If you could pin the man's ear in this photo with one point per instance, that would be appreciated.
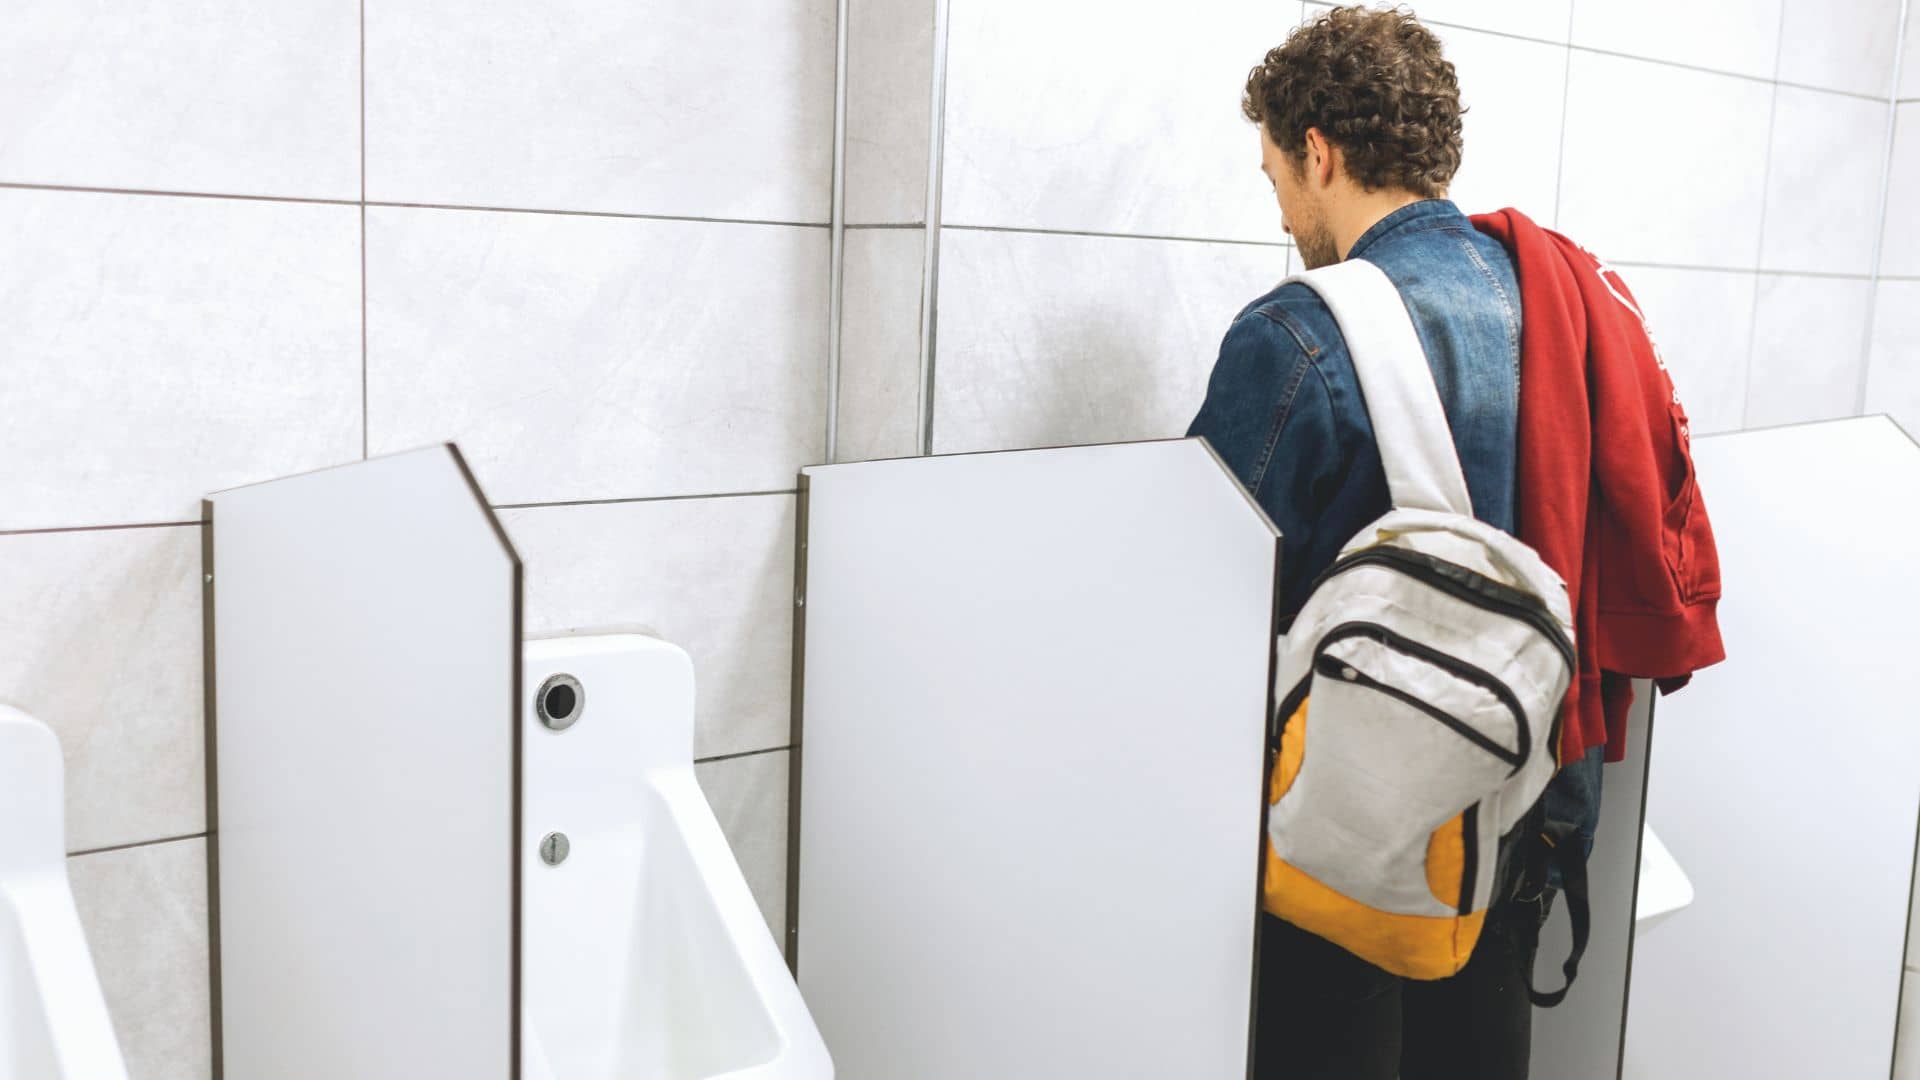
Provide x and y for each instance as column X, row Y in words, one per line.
column 1321, row 164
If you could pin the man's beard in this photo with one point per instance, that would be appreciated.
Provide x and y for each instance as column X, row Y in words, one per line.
column 1316, row 245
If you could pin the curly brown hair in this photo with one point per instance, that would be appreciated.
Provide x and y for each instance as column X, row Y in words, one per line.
column 1376, row 85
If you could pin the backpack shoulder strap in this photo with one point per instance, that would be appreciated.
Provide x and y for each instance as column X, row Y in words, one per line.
column 1409, row 423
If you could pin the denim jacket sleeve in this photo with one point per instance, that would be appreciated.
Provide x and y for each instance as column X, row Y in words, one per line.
column 1270, row 417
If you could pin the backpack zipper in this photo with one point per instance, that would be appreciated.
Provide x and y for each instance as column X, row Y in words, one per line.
column 1469, row 856
column 1469, row 586
column 1335, row 668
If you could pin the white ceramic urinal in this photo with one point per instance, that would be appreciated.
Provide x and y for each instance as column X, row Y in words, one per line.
column 53, row 1019
column 644, row 956
column 1664, row 887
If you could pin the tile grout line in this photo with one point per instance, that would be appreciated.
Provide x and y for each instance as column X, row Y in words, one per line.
column 1655, row 264
column 1569, row 43
column 136, row 844
column 1036, row 231
column 1566, row 96
column 837, row 231
column 621, row 215
column 44, row 530
column 930, row 255
column 1760, row 236
column 366, row 436
column 1684, row 66
column 737, row 755
column 1886, row 199
column 642, row 499
column 88, row 189
column 614, row 501
column 298, row 200
column 1508, row 34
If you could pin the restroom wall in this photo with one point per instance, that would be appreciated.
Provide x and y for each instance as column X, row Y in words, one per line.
column 1751, row 168
column 1893, row 386
column 588, row 242
column 1101, row 218
column 1893, row 382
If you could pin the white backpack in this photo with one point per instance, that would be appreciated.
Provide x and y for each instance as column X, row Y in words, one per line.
column 1420, row 685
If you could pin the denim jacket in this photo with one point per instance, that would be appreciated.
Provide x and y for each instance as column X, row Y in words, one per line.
column 1284, row 408
column 1285, row 412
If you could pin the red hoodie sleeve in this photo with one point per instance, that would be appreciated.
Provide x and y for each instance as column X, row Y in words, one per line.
column 1659, row 572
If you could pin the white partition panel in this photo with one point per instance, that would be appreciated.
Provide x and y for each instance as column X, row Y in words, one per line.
column 1030, row 760
column 366, row 640
column 1787, row 781
column 1580, row 1038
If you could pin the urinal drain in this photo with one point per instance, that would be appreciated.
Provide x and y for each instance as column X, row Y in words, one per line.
column 554, row 848
column 560, row 702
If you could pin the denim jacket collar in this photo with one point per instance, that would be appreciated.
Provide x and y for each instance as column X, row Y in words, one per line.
column 1404, row 217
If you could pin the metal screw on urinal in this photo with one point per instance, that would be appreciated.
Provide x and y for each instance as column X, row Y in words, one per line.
column 554, row 848
column 560, row 702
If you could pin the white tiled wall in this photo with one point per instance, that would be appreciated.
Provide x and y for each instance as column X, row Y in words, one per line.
column 1070, row 116
column 169, row 347
column 594, row 251
column 1663, row 164
column 225, row 96
column 594, row 357
column 720, row 109
column 590, row 243
column 1727, row 156
column 880, row 344
column 1050, row 340
column 1512, row 129
column 1893, row 386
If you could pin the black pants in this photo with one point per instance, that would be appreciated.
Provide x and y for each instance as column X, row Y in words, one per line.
column 1325, row 1014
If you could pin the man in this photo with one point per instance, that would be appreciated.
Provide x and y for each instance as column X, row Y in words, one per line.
column 1359, row 125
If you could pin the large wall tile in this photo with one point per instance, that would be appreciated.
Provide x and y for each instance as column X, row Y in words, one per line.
column 1663, row 164
column 1512, row 91
column 145, row 914
column 1054, row 340
column 645, row 106
column 159, row 348
column 1546, row 19
column 581, row 357
column 1900, row 238
column 1893, row 368
column 713, row 576
column 1910, row 57
column 1840, row 44
column 880, row 344
column 223, row 96
column 1741, row 36
column 1702, row 322
column 1809, row 338
column 749, row 796
column 101, row 641
column 1073, row 114
column 889, row 109
column 1823, row 182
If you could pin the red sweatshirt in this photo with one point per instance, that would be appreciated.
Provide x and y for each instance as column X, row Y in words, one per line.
column 1605, row 489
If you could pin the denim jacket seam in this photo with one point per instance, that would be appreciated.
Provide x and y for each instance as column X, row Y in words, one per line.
column 1280, row 415
column 1510, row 322
column 1288, row 322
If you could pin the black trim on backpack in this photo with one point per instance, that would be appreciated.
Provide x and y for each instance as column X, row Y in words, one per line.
column 1463, row 584
column 1335, row 668
column 1469, row 856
